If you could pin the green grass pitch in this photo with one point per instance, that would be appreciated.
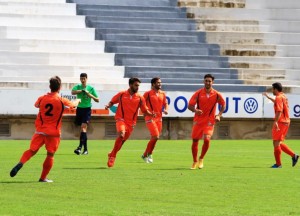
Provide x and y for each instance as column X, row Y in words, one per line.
column 236, row 180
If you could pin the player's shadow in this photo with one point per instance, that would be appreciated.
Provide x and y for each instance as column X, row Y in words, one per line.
column 248, row 167
column 84, row 168
column 17, row 182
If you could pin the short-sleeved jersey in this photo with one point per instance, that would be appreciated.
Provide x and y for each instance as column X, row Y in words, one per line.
column 129, row 106
column 85, row 100
column 281, row 105
column 155, row 102
column 207, row 103
column 51, row 107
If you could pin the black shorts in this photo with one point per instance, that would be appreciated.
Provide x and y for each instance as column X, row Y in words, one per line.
column 83, row 115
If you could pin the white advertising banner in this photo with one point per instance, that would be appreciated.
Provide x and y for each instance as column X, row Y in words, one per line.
column 239, row 105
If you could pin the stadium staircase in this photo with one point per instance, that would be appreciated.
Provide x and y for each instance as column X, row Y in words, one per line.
column 155, row 38
column 261, row 38
column 42, row 38
column 246, row 44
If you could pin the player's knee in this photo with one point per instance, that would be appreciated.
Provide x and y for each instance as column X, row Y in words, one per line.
column 154, row 137
column 50, row 154
column 122, row 135
column 83, row 126
column 207, row 139
column 33, row 152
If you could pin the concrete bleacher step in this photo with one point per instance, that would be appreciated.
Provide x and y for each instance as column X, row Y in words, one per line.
column 165, row 3
column 129, row 35
column 68, row 79
column 230, row 25
column 132, row 9
column 66, row 71
column 53, row 46
column 145, row 25
column 159, row 19
column 103, row 84
column 45, row 33
column 171, row 60
column 219, row 87
column 120, row 84
column 42, row 20
column 272, row 4
column 243, row 14
column 276, row 62
column 186, row 72
column 129, row 13
column 200, row 35
column 162, row 50
column 193, row 80
column 148, row 38
column 154, row 44
column 212, row 3
column 250, row 50
column 253, row 38
column 34, row 1
column 37, row 8
column 64, row 59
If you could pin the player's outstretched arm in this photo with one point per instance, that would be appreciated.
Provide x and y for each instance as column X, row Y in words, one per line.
column 267, row 96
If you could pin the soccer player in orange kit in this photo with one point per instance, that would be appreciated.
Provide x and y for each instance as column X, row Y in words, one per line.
column 281, row 125
column 203, row 103
column 48, row 128
column 130, row 101
column 157, row 103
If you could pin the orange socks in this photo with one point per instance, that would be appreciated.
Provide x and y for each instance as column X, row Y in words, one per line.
column 48, row 163
column 118, row 145
column 205, row 147
column 277, row 155
column 287, row 150
column 150, row 147
column 195, row 151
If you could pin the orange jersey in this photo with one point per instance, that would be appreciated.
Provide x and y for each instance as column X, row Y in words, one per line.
column 207, row 103
column 51, row 107
column 155, row 101
column 129, row 106
column 281, row 105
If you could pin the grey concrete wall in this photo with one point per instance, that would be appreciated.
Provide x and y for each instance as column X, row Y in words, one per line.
column 22, row 127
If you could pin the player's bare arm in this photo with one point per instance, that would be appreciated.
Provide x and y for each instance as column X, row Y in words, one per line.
column 267, row 96
column 92, row 96
column 219, row 115
column 195, row 110
column 108, row 105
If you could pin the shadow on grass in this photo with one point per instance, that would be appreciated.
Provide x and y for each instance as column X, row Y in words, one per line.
column 18, row 182
column 248, row 167
column 84, row 168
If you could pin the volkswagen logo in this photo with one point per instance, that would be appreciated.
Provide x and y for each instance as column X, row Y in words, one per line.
column 250, row 105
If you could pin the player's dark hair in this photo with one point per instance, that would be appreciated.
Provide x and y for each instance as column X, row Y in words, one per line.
column 83, row 75
column 55, row 83
column 154, row 80
column 133, row 80
column 209, row 76
column 277, row 86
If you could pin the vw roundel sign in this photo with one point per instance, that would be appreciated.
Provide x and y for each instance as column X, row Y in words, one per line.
column 250, row 105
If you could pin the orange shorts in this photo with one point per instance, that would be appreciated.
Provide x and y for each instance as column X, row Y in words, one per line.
column 280, row 134
column 199, row 130
column 122, row 126
column 154, row 127
column 38, row 140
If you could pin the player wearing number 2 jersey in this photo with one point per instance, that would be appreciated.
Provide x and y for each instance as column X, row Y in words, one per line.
column 48, row 127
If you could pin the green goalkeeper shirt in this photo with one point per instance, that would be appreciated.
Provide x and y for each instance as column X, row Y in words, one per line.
column 85, row 100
